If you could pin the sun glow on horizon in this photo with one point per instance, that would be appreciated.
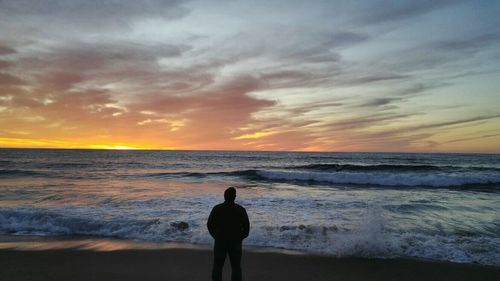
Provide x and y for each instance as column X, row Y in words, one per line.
column 114, row 147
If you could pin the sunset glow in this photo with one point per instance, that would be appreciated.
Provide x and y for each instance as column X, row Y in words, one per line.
column 251, row 75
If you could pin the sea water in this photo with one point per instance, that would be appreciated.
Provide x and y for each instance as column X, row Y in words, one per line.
column 443, row 207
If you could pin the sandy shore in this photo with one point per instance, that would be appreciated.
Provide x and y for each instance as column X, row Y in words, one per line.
column 192, row 265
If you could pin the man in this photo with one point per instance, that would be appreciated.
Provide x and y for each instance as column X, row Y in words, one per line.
column 228, row 224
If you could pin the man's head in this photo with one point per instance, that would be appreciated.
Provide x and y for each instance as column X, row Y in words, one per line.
column 230, row 194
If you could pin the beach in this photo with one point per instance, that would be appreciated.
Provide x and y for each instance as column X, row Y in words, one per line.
column 195, row 264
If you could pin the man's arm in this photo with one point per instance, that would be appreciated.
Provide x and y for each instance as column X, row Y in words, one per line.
column 246, row 224
column 211, row 223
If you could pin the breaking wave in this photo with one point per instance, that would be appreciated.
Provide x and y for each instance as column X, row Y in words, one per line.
column 368, row 177
column 368, row 239
column 21, row 173
column 382, row 178
column 376, row 175
column 392, row 168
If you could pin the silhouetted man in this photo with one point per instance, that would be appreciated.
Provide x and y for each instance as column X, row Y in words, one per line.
column 228, row 224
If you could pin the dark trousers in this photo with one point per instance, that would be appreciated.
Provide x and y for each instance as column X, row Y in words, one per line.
column 221, row 249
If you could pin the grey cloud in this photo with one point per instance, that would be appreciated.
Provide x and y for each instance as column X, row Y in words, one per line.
column 345, row 38
column 456, row 122
column 76, row 62
column 387, row 11
column 321, row 47
column 419, row 88
column 429, row 127
column 309, row 54
column 287, row 78
column 312, row 60
column 379, row 102
column 394, row 143
column 326, row 76
column 400, row 95
column 7, row 79
column 308, row 107
column 121, row 51
column 6, row 64
column 5, row 50
column 284, row 75
column 440, row 53
column 366, row 121
column 474, row 138
column 473, row 43
column 403, row 138
column 95, row 14
column 376, row 78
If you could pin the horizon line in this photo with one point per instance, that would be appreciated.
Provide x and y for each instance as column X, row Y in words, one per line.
column 228, row 150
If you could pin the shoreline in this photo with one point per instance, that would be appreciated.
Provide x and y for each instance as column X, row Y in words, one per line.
column 90, row 258
column 92, row 243
column 30, row 243
column 195, row 264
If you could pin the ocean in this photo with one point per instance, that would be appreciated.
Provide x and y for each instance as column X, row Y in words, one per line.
column 443, row 207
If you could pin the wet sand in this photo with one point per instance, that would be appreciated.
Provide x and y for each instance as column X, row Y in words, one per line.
column 192, row 265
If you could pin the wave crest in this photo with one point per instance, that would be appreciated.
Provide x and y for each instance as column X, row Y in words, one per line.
column 381, row 178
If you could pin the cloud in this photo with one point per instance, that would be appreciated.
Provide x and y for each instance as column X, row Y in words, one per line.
column 345, row 38
column 315, row 47
column 375, row 78
column 208, row 117
column 440, row 54
column 5, row 50
column 362, row 122
column 455, row 122
column 410, row 137
column 81, row 85
column 211, row 115
column 473, row 138
column 7, row 79
column 78, row 64
column 473, row 43
column 6, row 64
column 90, row 15
column 390, row 98
column 377, row 12
column 379, row 102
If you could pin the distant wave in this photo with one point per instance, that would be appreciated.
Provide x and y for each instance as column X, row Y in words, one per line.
column 367, row 177
column 376, row 175
column 382, row 178
column 389, row 168
column 252, row 174
column 66, row 165
column 21, row 173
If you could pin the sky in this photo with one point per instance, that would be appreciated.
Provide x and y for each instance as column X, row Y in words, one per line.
column 395, row 76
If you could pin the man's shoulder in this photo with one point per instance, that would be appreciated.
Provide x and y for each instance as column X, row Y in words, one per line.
column 225, row 205
column 238, row 206
column 218, row 206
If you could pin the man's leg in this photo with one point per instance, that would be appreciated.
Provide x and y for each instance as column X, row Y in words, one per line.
column 235, row 259
column 219, row 257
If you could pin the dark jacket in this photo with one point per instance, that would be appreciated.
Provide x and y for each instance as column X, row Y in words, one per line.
column 228, row 221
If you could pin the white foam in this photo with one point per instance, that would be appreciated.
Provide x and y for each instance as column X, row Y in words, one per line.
column 381, row 178
column 368, row 238
column 371, row 239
